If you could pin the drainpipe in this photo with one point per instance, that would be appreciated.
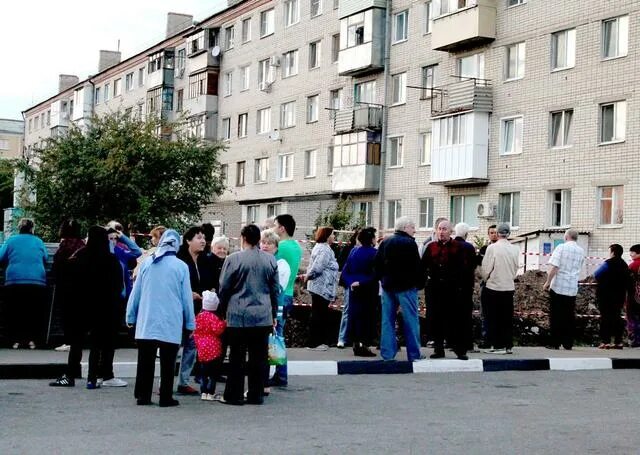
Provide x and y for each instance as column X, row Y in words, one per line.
column 385, row 115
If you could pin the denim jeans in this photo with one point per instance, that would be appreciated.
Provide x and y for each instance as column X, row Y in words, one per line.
column 343, row 335
column 408, row 303
column 281, row 374
column 188, row 359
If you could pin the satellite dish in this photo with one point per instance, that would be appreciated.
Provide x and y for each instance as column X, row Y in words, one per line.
column 216, row 51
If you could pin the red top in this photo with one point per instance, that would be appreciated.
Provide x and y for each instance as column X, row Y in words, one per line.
column 635, row 265
column 209, row 328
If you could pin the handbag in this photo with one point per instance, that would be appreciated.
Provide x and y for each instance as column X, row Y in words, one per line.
column 277, row 350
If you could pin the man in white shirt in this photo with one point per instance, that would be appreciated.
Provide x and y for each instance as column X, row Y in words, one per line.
column 499, row 269
column 562, row 282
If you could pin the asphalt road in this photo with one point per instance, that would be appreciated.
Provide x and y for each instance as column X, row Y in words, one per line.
column 450, row 413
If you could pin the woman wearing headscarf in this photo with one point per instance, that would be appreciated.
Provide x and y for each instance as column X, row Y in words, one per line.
column 161, row 308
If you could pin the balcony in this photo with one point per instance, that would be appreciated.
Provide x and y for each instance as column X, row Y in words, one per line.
column 358, row 178
column 462, row 96
column 460, row 149
column 200, row 104
column 362, row 117
column 361, row 60
column 202, row 60
column 361, row 40
column 468, row 27
column 160, row 77
column 59, row 114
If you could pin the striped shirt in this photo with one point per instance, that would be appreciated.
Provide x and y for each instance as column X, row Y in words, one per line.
column 568, row 258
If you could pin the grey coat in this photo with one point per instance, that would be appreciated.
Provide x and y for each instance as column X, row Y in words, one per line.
column 323, row 272
column 249, row 288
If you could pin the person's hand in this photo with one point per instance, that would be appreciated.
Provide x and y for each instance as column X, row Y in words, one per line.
column 196, row 296
column 275, row 323
column 130, row 326
column 545, row 286
column 354, row 285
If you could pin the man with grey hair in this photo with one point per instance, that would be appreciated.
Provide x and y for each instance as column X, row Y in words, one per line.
column 562, row 282
column 397, row 266
column 468, row 279
column 499, row 269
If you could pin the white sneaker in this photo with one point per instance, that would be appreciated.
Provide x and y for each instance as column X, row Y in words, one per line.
column 340, row 345
column 114, row 382
column 500, row 351
column 207, row 397
column 63, row 348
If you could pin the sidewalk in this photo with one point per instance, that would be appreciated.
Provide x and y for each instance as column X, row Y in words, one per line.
column 45, row 364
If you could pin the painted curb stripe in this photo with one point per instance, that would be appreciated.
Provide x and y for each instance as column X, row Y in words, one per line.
column 622, row 364
column 447, row 366
column 374, row 367
column 574, row 364
column 312, row 368
column 515, row 365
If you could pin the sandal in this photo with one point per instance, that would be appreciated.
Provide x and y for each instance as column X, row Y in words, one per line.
column 603, row 346
column 32, row 345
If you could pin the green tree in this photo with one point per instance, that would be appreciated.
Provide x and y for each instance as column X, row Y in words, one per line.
column 339, row 217
column 120, row 168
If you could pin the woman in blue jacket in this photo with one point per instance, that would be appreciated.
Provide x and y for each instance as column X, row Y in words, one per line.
column 25, row 256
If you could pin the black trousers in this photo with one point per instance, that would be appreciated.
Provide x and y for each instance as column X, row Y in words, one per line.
column 562, row 317
column 362, row 305
column 611, row 322
column 448, row 317
column 209, row 373
column 319, row 320
column 146, row 369
column 499, row 305
column 243, row 341
column 26, row 313
column 102, row 350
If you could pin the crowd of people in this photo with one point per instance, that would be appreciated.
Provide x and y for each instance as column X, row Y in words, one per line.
column 188, row 291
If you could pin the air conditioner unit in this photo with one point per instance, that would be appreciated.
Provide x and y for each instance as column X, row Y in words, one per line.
column 274, row 61
column 485, row 210
column 264, row 86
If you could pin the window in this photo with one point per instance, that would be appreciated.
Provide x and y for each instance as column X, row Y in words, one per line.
column 400, row 88
column 363, row 213
column 615, row 37
column 229, row 37
column 266, row 23
column 117, row 87
column 613, row 119
column 611, row 204
column 196, row 42
column 180, row 100
column 424, row 148
column 396, row 151
column 48, row 118
column 36, row 122
column 561, row 128
column 285, row 167
column 228, row 83
column 471, row 66
column 330, row 160
column 288, row 114
column 394, row 211
column 4, row 144
column 312, row 108
column 243, row 120
column 30, row 124
column 291, row 12
column 428, row 80
column 316, row 8
column 336, row 4
column 515, row 2
column 511, row 137
column 107, row 95
column 196, row 127
column 335, row 47
column 464, row 210
column 354, row 149
column 128, row 82
column 515, row 61
column 365, row 92
column 560, row 207
column 197, row 85
column 400, row 26
column 245, row 75
column 509, row 208
column 274, row 210
column 224, row 174
column 335, row 100
column 246, row 30
column 261, row 170
column 453, row 130
column 265, row 72
column 310, row 163
column 425, row 213
column 264, row 120
column 427, row 17
column 181, row 59
column 226, row 129
column 290, row 65
column 240, row 168
column 355, row 30
column 563, row 49
column 140, row 77
column 155, row 62
column 252, row 213
column 314, row 54
column 98, row 94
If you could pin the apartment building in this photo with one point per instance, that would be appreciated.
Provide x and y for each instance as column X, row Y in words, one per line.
column 483, row 111
column 11, row 138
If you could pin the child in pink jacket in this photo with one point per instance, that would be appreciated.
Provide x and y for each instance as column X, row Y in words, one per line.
column 207, row 335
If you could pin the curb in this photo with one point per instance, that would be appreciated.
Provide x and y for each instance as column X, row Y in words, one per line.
column 360, row 367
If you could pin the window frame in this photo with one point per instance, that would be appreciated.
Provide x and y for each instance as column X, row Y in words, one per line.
column 479, row 65
column 405, row 27
column 226, row 129
column 261, row 115
column 318, row 11
column 315, row 55
column 427, row 17
column 243, row 125
column 563, row 206
column 267, row 22
column 261, row 170
column 624, row 45
column 399, row 151
column 399, row 91
column 229, row 37
column 393, row 206
column 287, row 115
column 463, row 205
column 428, row 214
column 619, row 108
column 520, row 61
column 570, row 57
column 291, row 14
column 285, row 163
column 290, row 64
column 567, row 136
column 246, row 30
column 617, row 198
column 245, row 77
column 241, row 171
column 514, row 208
column 510, row 3
column 424, row 153
column 310, row 163
column 313, row 108
column 503, row 131
column 228, row 83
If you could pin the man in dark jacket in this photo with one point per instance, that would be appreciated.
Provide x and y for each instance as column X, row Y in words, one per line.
column 469, row 262
column 397, row 266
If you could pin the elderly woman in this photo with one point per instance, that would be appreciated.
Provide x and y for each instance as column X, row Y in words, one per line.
column 160, row 307
column 220, row 250
column 321, row 279
column 249, row 292
column 25, row 256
